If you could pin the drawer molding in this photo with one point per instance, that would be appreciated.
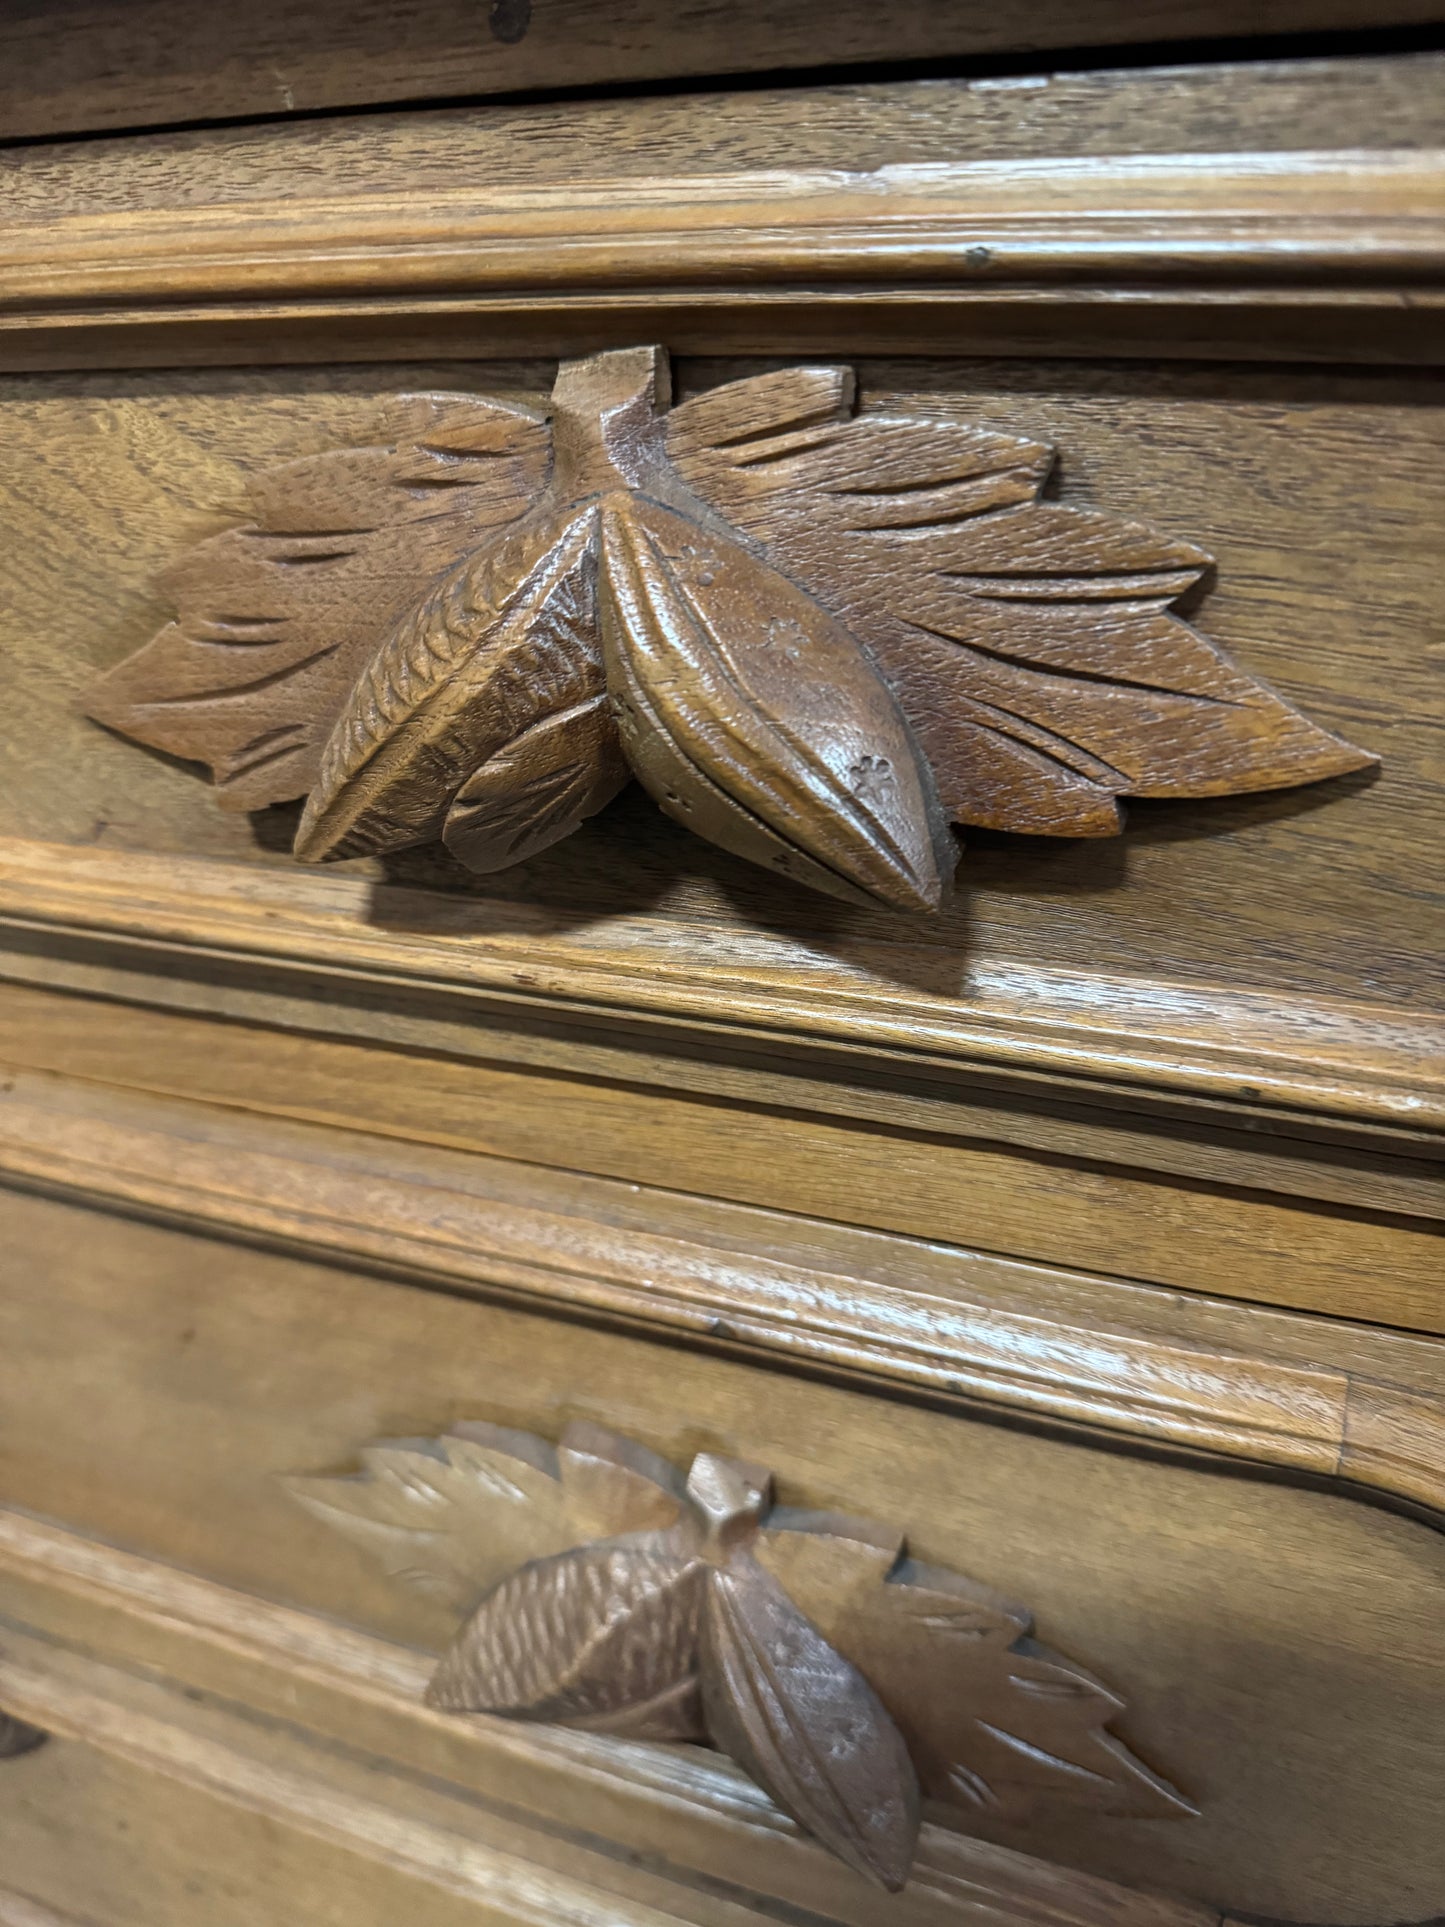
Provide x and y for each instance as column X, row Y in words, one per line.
column 687, row 1819
column 134, row 66
column 1322, row 254
column 141, row 919
column 941, row 1323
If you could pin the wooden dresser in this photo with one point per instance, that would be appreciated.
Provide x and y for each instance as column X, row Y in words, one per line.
column 589, row 1337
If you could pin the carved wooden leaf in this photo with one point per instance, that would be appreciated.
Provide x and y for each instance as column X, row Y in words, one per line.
column 996, row 1724
column 604, row 1633
column 1031, row 647
column 614, row 1485
column 509, row 639
column 450, row 1515
column 537, row 788
column 754, row 718
column 276, row 620
column 848, row 1679
column 806, row 1724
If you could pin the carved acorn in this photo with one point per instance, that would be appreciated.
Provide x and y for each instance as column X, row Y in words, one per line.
column 851, row 1682
column 814, row 635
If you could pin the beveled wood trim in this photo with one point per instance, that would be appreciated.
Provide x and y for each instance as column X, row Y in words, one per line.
column 1315, row 1058
column 90, row 1705
column 1143, row 218
column 1354, row 233
column 941, row 1323
column 684, row 1810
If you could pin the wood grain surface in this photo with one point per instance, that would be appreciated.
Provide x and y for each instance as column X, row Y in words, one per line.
column 1213, row 1238
column 814, row 633
column 1214, row 107
column 1351, row 1403
column 1276, row 1646
column 20, row 1910
column 109, row 477
column 101, row 63
column 1087, row 1237
column 1331, row 255
column 682, row 1807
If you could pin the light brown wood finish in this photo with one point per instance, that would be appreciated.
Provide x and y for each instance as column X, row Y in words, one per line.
column 992, row 1074
column 17, row 1910
column 813, row 635
column 342, row 1686
column 1221, row 107
column 1137, row 1569
column 136, row 65
column 1341, row 246
column 114, row 477
column 1200, row 1238
column 1343, row 1061
column 603, row 1593
column 1352, row 1403
column 186, row 1805
column 937, row 1226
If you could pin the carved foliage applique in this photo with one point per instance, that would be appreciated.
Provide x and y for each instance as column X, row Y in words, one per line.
column 853, row 1683
column 815, row 635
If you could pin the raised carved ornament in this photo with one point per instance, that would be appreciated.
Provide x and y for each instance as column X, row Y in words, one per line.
column 852, row 1683
column 815, row 634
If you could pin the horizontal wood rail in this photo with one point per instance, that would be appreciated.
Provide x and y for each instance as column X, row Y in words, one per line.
column 1355, row 238
column 942, row 1323
column 1152, row 218
column 1310, row 1057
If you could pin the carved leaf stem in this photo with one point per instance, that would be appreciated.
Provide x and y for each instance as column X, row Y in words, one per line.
column 815, row 634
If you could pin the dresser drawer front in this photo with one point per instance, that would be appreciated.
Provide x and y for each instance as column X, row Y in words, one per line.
column 1273, row 1646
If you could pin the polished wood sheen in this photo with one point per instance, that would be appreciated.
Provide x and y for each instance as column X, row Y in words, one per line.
column 800, row 1410
column 1029, row 668
column 1329, row 254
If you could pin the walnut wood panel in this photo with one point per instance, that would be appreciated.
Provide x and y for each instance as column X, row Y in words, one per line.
column 150, row 930
column 1337, row 252
column 134, row 65
column 1335, row 1401
column 685, row 1809
column 1241, row 106
column 1364, row 1165
column 1255, row 1629
column 1208, row 1238
column 110, row 477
